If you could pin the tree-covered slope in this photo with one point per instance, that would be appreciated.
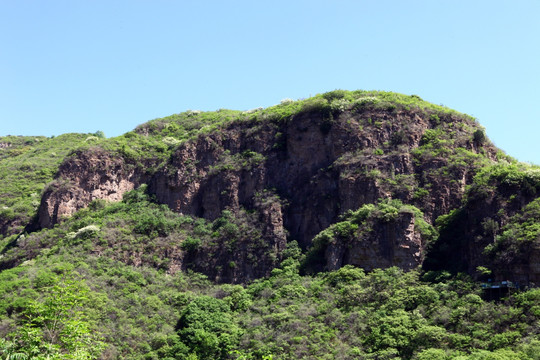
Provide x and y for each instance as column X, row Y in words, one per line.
column 139, row 312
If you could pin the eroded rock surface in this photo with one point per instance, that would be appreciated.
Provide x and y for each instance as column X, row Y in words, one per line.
column 392, row 243
column 318, row 167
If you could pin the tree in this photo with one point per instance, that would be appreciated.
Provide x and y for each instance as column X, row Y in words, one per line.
column 99, row 134
column 55, row 326
column 8, row 351
column 479, row 137
column 208, row 328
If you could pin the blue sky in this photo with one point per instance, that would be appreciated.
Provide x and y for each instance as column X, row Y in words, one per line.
column 83, row 66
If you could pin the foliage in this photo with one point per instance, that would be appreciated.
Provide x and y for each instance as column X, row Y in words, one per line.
column 354, row 223
column 515, row 176
column 208, row 328
column 479, row 136
column 244, row 160
column 518, row 237
column 504, row 223
column 55, row 326
column 27, row 164
column 348, row 314
column 139, row 312
column 117, row 280
column 157, row 139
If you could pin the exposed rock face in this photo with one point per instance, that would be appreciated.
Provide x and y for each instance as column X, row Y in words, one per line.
column 320, row 174
column 525, row 270
column 319, row 168
column 90, row 175
column 394, row 243
column 246, row 255
column 480, row 225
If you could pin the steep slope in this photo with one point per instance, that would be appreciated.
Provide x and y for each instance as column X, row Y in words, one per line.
column 380, row 235
column 298, row 165
column 497, row 228
column 27, row 164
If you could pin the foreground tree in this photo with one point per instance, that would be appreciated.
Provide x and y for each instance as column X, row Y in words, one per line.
column 55, row 326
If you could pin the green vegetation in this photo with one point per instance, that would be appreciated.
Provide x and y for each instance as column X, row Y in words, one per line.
column 515, row 176
column 518, row 237
column 27, row 164
column 123, row 280
column 54, row 325
column 449, row 144
column 157, row 138
column 138, row 313
column 355, row 226
column 139, row 231
column 504, row 203
column 245, row 160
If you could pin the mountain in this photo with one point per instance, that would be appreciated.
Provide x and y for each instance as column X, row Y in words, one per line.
column 340, row 181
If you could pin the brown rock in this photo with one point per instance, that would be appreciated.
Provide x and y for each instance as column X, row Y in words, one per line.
column 318, row 168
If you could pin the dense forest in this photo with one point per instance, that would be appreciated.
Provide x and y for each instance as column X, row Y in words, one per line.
column 350, row 225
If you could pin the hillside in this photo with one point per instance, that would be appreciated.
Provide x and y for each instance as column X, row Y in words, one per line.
column 347, row 225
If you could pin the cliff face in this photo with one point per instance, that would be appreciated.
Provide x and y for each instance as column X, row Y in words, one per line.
column 496, row 228
column 393, row 243
column 319, row 165
column 89, row 175
column 319, row 173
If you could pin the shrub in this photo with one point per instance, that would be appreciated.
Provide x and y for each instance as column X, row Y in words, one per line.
column 153, row 223
column 365, row 102
column 316, row 104
column 208, row 328
column 191, row 244
column 169, row 140
column 339, row 105
column 83, row 233
column 136, row 196
column 398, row 138
column 434, row 118
column 479, row 137
column 334, row 95
column 99, row 134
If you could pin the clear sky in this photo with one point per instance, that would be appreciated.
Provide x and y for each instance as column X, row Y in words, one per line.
column 83, row 66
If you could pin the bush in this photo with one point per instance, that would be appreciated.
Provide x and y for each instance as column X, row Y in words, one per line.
column 191, row 244
column 208, row 328
column 316, row 104
column 479, row 137
column 84, row 233
column 99, row 134
column 365, row 102
column 153, row 223
column 334, row 95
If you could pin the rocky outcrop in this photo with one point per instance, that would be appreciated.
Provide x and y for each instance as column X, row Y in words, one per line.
column 86, row 176
column 494, row 229
column 318, row 165
column 389, row 243
column 245, row 254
